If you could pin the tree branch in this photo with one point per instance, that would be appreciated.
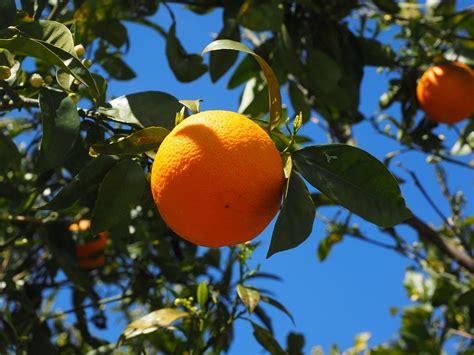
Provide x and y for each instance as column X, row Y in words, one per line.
column 428, row 234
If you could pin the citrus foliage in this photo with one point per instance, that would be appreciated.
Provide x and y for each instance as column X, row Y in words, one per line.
column 86, row 156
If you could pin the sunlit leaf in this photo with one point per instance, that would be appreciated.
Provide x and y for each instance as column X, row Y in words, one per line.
column 249, row 296
column 52, row 32
column 274, row 96
column 202, row 294
column 148, row 108
column 163, row 318
column 139, row 142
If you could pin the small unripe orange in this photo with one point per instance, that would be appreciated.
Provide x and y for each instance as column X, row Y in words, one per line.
column 36, row 80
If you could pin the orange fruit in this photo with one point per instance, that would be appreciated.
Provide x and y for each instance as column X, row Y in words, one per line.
column 217, row 179
column 90, row 254
column 92, row 263
column 445, row 92
column 92, row 247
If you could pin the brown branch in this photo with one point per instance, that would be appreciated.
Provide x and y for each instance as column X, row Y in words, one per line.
column 428, row 234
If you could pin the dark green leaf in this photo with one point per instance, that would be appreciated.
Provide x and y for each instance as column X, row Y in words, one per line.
column 295, row 343
column 274, row 96
column 90, row 175
column 186, row 67
column 295, row 222
column 60, row 127
column 249, row 296
column 327, row 243
column 354, row 179
column 219, row 63
column 8, row 11
column 376, row 53
column 148, row 108
column 116, row 67
column 264, row 318
column 51, row 32
column 299, row 101
column 266, row 339
column 9, row 155
column 466, row 299
column 279, row 306
column 323, row 72
column 322, row 200
column 389, row 6
column 121, row 189
column 262, row 15
column 247, row 69
column 138, row 142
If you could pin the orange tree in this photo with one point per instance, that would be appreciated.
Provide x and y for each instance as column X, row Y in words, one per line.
column 84, row 156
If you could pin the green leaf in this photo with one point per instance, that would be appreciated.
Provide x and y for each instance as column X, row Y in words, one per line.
column 295, row 222
column 115, row 66
column 163, row 318
column 299, row 101
column 274, row 96
column 278, row 305
column 186, row 67
column 375, row 53
column 266, row 339
column 60, row 127
column 135, row 143
column 193, row 105
column 148, row 108
column 220, row 63
column 26, row 46
column 327, row 243
column 261, row 15
column 464, row 144
column 249, row 296
column 9, row 155
column 121, row 189
column 8, row 11
column 323, row 72
column 246, row 70
column 51, row 32
column 202, row 294
column 466, row 299
column 90, row 175
column 354, row 179
column 295, row 343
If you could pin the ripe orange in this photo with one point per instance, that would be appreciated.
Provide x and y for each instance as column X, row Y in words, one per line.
column 446, row 92
column 90, row 254
column 92, row 263
column 217, row 179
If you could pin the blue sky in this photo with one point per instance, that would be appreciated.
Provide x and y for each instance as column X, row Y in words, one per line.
column 352, row 291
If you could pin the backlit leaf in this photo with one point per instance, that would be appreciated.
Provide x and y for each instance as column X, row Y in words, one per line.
column 153, row 321
column 135, row 143
column 274, row 96
column 249, row 296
